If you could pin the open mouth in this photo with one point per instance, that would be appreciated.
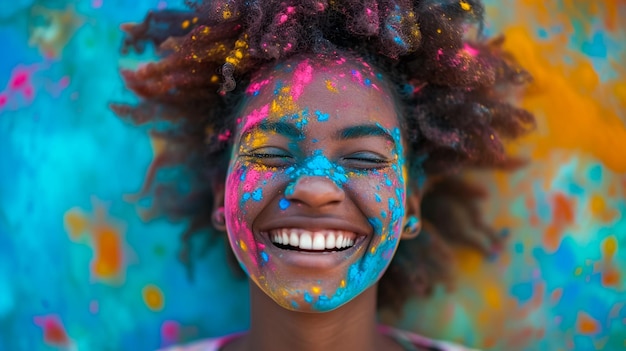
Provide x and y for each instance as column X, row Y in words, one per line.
column 312, row 241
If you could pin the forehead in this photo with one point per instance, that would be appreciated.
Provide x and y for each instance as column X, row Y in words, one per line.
column 341, row 90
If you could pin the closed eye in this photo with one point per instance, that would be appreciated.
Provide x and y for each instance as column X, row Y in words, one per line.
column 366, row 160
column 269, row 156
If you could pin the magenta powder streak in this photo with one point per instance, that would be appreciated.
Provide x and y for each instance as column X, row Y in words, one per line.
column 302, row 76
column 256, row 116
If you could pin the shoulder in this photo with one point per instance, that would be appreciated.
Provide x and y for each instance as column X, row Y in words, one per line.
column 419, row 342
column 212, row 344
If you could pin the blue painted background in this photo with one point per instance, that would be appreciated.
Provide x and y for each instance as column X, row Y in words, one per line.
column 79, row 269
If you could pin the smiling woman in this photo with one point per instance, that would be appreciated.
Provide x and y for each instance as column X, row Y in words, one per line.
column 333, row 131
column 339, row 179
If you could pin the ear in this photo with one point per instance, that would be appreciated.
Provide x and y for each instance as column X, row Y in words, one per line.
column 412, row 224
column 218, row 219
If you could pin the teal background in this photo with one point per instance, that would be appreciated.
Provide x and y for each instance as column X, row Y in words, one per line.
column 66, row 159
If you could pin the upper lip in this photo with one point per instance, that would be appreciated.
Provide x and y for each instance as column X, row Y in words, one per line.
column 314, row 223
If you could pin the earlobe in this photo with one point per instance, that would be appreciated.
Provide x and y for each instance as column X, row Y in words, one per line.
column 411, row 228
column 218, row 219
column 218, row 216
column 413, row 224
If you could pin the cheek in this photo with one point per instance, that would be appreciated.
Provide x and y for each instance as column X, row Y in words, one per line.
column 384, row 192
column 249, row 188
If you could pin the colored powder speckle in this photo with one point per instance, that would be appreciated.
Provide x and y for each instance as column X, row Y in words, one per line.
column 302, row 76
column 255, row 87
column 76, row 223
column 331, row 86
column 283, row 204
column 153, row 297
column 257, row 195
column 54, row 333
column 256, row 116
column 170, row 331
column 609, row 247
column 322, row 117
column 308, row 298
column 585, row 324
column 264, row 256
column 595, row 173
column 108, row 252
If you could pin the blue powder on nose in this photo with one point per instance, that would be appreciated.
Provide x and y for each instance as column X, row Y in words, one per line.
column 377, row 197
column 322, row 117
column 308, row 298
column 283, row 204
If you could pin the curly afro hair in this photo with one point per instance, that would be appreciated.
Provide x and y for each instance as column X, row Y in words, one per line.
column 452, row 86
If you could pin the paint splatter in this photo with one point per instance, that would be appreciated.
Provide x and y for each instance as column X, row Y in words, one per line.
column 153, row 297
column 54, row 333
column 104, row 237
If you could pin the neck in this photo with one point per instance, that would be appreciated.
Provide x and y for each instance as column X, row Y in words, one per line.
column 349, row 327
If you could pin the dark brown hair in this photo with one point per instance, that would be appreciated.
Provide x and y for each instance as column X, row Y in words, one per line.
column 452, row 85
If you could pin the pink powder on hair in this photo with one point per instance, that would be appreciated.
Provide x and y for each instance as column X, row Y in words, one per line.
column 470, row 50
column 255, row 87
column 256, row 116
column 224, row 136
column 282, row 19
column 439, row 53
column 302, row 76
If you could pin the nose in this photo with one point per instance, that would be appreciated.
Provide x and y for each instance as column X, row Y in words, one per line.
column 315, row 191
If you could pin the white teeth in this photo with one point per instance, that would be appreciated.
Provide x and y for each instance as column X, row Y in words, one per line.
column 294, row 240
column 285, row 238
column 330, row 241
column 319, row 240
column 319, row 243
column 306, row 242
column 339, row 241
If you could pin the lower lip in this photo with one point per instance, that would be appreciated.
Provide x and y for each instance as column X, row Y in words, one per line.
column 313, row 259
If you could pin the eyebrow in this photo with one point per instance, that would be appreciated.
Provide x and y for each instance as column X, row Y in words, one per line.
column 363, row 130
column 282, row 128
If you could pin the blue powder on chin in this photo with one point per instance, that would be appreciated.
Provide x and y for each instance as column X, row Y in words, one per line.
column 283, row 204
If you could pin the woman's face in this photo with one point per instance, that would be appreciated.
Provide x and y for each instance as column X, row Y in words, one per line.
column 315, row 191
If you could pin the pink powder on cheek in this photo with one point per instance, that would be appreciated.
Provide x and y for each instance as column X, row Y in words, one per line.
column 256, row 116
column 251, row 180
column 302, row 76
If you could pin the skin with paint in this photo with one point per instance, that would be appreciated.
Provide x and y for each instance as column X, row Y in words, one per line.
column 316, row 203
